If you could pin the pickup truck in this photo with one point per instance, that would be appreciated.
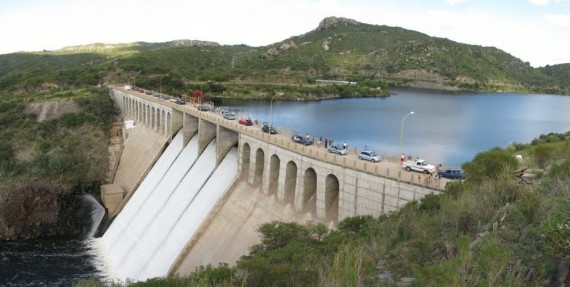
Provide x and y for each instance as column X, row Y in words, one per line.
column 418, row 165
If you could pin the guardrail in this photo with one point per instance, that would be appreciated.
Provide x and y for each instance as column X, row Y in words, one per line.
column 384, row 168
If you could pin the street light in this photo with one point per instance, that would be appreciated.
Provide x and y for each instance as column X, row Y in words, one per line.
column 271, row 109
column 402, row 130
column 161, row 83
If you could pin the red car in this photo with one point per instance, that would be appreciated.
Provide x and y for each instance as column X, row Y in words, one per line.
column 246, row 122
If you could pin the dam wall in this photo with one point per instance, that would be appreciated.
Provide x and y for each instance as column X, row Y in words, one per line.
column 265, row 177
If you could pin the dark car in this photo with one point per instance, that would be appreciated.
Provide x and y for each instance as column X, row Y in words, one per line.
column 267, row 129
column 302, row 140
column 452, row 174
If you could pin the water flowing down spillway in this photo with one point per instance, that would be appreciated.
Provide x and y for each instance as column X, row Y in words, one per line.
column 143, row 191
column 191, row 217
column 180, row 185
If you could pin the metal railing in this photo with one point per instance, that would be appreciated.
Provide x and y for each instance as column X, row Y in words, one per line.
column 384, row 168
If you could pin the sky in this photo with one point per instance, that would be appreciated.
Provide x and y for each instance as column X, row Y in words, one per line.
column 535, row 31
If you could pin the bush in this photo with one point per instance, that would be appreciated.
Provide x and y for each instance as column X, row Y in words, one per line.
column 490, row 165
column 430, row 203
column 556, row 231
column 542, row 153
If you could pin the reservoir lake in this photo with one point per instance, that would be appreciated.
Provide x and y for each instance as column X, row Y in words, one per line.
column 448, row 128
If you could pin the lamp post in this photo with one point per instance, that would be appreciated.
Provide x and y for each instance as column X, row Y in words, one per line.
column 402, row 130
column 161, row 83
column 270, row 111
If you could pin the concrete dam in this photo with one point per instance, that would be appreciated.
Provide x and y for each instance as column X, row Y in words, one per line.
column 191, row 188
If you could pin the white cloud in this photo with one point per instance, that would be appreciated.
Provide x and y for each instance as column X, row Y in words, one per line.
column 455, row 2
column 539, row 2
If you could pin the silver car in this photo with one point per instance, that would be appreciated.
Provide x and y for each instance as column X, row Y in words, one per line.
column 338, row 149
column 369, row 155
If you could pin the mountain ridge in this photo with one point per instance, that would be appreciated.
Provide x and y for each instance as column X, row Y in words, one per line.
column 337, row 49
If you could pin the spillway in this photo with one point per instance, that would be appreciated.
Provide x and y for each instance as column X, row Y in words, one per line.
column 192, row 217
column 143, row 191
column 165, row 211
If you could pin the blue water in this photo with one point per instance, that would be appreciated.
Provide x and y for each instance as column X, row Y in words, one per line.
column 447, row 128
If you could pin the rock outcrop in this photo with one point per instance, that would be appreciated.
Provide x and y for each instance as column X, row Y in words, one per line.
column 42, row 208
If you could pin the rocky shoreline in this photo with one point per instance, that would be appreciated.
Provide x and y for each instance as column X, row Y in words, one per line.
column 43, row 208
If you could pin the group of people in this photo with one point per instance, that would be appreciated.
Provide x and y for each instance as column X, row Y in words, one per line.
column 327, row 142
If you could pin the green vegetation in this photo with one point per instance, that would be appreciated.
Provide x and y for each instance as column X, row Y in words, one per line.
column 560, row 72
column 70, row 148
column 375, row 57
column 493, row 229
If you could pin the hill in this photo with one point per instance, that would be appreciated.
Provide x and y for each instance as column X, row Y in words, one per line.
column 374, row 56
column 560, row 72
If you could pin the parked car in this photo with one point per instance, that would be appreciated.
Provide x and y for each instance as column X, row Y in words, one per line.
column 246, row 122
column 452, row 174
column 267, row 129
column 179, row 101
column 229, row 116
column 369, row 155
column 337, row 148
column 418, row 165
column 301, row 139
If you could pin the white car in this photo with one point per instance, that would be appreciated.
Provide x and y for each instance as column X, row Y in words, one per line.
column 369, row 155
column 418, row 165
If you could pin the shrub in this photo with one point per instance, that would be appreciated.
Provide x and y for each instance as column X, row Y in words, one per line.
column 490, row 164
column 430, row 203
column 542, row 153
column 355, row 224
column 556, row 231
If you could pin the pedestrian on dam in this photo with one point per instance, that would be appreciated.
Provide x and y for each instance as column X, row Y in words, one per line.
column 320, row 141
column 402, row 158
column 326, row 142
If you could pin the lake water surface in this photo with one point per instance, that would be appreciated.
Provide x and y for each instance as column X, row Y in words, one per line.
column 447, row 128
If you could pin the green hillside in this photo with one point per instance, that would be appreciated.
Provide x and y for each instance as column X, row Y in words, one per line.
column 374, row 56
column 560, row 72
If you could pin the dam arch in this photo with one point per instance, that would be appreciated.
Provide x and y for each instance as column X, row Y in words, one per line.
column 274, row 166
column 331, row 198
column 245, row 158
column 290, row 183
column 259, row 162
column 309, row 196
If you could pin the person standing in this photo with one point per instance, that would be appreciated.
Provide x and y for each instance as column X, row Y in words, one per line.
column 402, row 158
column 326, row 142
